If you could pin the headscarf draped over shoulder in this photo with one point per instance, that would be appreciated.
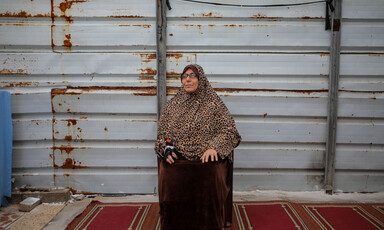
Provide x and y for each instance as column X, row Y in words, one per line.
column 198, row 121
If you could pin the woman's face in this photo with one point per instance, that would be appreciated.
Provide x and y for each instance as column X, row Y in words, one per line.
column 190, row 84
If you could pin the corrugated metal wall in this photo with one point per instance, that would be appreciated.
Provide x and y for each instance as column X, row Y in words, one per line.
column 82, row 74
column 83, row 80
column 359, row 159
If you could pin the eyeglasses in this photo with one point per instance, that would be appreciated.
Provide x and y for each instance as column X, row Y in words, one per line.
column 191, row 75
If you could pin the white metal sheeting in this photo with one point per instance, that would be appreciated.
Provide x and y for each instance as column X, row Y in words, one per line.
column 83, row 80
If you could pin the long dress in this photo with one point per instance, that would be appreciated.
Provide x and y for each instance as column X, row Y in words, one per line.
column 191, row 200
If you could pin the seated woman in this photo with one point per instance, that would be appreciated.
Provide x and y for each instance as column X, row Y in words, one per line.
column 193, row 181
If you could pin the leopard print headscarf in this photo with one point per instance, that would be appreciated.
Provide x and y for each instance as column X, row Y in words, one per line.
column 198, row 121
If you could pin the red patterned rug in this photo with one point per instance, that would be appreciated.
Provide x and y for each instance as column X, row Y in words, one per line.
column 246, row 215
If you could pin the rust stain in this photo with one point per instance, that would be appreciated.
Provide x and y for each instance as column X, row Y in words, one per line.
column 210, row 14
column 142, row 91
column 55, row 92
column 54, row 175
column 105, row 129
column 192, row 25
column 23, row 14
column 173, row 73
column 67, row 42
column 148, row 57
column 53, row 129
column 52, row 10
column 259, row 15
column 66, row 148
column 66, row 5
column 83, row 118
column 71, row 164
column 52, row 42
column 307, row 17
column 151, row 92
column 174, row 55
column 146, row 78
column 148, row 71
column 71, row 122
column 72, row 190
column 15, row 72
column 170, row 35
column 126, row 16
column 52, row 25
column 68, row 138
column 172, row 90
column 21, row 84
column 265, row 114
column 66, row 174
column 233, row 25
column 68, row 111
column 264, row 16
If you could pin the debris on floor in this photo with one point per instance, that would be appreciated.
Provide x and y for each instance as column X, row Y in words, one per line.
column 28, row 204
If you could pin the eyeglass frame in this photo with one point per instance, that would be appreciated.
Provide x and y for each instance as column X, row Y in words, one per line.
column 191, row 75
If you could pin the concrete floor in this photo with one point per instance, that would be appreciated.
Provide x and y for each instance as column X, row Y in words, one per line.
column 58, row 215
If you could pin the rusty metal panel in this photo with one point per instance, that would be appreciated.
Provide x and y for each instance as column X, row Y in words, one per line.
column 31, row 73
column 114, row 35
column 77, row 26
column 25, row 9
column 85, row 121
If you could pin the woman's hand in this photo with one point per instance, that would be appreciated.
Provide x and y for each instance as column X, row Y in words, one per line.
column 170, row 160
column 210, row 153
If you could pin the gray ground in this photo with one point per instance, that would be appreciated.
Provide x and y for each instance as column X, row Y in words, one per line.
column 58, row 215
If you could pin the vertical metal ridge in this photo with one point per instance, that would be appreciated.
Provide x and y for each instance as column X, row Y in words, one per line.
column 161, row 54
column 334, row 67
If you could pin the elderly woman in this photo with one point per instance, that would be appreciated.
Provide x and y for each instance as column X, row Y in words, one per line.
column 193, row 181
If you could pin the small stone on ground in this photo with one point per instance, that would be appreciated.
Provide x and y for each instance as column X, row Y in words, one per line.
column 28, row 204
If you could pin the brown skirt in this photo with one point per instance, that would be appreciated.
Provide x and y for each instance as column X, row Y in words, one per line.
column 193, row 195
